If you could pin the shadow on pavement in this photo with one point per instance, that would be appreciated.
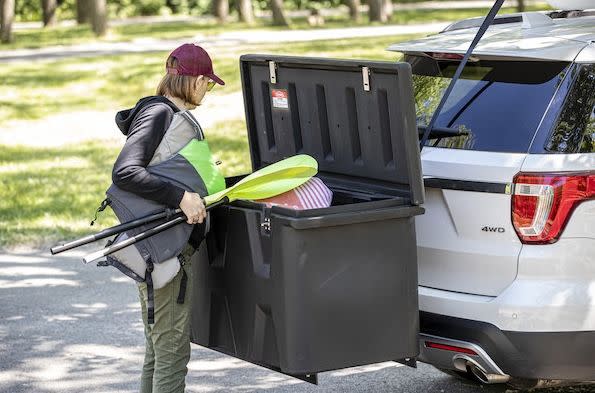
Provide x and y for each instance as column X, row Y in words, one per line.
column 69, row 327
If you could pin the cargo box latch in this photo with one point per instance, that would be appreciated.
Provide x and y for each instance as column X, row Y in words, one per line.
column 366, row 78
column 265, row 224
column 273, row 72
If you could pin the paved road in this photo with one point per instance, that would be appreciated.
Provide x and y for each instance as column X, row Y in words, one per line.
column 229, row 39
column 70, row 328
column 67, row 128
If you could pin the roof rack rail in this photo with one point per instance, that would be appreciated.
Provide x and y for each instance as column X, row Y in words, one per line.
column 516, row 18
column 476, row 22
column 567, row 14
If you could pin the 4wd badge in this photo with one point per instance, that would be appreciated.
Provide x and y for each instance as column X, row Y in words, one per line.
column 280, row 98
column 493, row 229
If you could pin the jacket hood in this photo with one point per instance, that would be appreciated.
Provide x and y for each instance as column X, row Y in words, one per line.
column 124, row 118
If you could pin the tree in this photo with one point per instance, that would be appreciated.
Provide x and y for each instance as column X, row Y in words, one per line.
column 48, row 8
column 245, row 10
column 99, row 17
column 83, row 11
column 279, row 18
column 221, row 9
column 377, row 11
column 353, row 9
column 521, row 5
column 6, row 18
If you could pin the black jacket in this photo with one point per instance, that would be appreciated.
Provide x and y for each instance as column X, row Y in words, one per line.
column 144, row 126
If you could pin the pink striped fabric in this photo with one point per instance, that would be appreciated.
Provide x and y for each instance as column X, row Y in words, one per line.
column 313, row 194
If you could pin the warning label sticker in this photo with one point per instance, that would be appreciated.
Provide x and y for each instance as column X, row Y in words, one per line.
column 280, row 98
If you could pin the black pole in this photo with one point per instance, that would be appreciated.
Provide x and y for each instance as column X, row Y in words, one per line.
column 115, row 230
column 143, row 235
column 482, row 29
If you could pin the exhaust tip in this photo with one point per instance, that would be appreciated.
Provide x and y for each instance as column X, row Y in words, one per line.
column 484, row 377
column 467, row 364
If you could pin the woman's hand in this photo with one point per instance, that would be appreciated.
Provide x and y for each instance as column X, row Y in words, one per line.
column 193, row 208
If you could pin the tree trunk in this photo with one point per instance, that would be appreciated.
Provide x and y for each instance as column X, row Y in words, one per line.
column 48, row 8
column 246, row 12
column 83, row 11
column 99, row 17
column 353, row 9
column 6, row 18
column 377, row 11
column 221, row 9
column 521, row 5
column 279, row 18
column 174, row 6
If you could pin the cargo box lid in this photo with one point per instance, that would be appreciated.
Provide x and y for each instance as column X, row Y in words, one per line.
column 356, row 117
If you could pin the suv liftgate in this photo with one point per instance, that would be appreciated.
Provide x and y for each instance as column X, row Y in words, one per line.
column 496, row 108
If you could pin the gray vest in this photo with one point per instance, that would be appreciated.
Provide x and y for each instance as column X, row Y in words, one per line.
column 159, row 251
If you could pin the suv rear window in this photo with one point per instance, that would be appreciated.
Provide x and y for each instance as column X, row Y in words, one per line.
column 499, row 104
column 575, row 129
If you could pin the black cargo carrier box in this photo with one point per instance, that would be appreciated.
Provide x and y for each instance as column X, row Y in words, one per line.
column 302, row 292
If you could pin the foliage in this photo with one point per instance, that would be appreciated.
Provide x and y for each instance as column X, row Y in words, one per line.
column 137, row 7
column 29, row 10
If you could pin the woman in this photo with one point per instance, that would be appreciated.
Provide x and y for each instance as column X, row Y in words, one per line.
column 189, row 75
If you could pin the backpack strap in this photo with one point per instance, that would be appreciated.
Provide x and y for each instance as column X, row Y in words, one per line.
column 105, row 203
column 192, row 120
column 184, row 281
column 150, row 293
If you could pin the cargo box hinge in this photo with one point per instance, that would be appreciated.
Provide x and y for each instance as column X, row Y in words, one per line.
column 273, row 72
column 366, row 78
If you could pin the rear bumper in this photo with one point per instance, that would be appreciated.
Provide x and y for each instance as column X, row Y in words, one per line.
column 531, row 355
column 554, row 291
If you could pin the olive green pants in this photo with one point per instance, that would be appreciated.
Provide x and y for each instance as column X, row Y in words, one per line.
column 167, row 349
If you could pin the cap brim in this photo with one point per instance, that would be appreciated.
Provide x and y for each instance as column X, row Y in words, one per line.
column 216, row 79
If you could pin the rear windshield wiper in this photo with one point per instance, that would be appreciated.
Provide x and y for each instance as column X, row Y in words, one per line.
column 440, row 132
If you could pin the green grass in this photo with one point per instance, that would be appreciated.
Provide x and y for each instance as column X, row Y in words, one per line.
column 33, row 91
column 50, row 194
column 38, row 38
column 36, row 90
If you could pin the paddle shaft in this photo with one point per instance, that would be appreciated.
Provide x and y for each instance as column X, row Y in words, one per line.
column 143, row 235
column 116, row 230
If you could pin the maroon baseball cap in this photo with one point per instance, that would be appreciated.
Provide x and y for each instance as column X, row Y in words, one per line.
column 193, row 61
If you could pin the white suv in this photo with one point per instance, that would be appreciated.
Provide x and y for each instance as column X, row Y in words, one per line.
column 507, row 245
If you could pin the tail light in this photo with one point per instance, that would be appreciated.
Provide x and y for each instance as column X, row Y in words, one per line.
column 451, row 56
column 542, row 203
column 451, row 348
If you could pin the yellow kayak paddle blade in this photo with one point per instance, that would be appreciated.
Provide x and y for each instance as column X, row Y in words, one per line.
column 271, row 180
